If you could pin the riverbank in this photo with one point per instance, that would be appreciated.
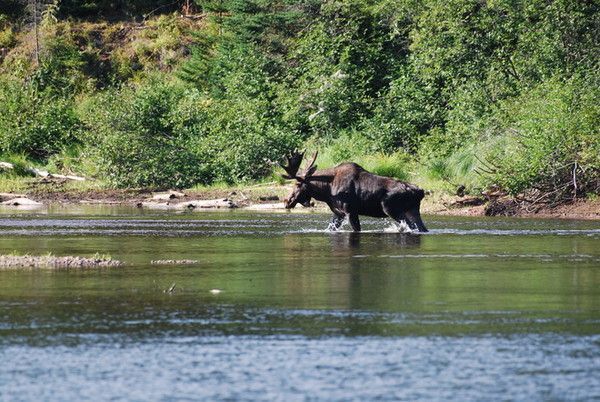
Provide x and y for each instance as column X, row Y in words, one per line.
column 269, row 197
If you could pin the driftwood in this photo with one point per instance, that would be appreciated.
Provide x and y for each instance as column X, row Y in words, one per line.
column 170, row 195
column 218, row 203
column 42, row 173
column 194, row 204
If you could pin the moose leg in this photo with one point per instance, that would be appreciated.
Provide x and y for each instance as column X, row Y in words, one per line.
column 338, row 217
column 336, row 221
column 415, row 221
column 397, row 216
column 354, row 222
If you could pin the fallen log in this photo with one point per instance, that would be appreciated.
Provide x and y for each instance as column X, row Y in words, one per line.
column 218, row 203
column 170, row 195
column 194, row 204
column 42, row 173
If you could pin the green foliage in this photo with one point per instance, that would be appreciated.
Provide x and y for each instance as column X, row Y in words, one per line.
column 61, row 68
column 550, row 139
column 462, row 92
column 7, row 36
column 404, row 114
column 241, row 133
column 133, row 136
column 20, row 164
column 351, row 146
column 340, row 65
column 114, row 8
column 34, row 123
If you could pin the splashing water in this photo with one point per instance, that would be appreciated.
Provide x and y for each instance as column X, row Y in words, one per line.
column 396, row 227
column 331, row 227
column 393, row 227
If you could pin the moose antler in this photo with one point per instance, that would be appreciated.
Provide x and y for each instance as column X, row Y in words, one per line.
column 293, row 164
column 310, row 169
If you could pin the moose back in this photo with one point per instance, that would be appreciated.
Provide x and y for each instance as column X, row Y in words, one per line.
column 349, row 190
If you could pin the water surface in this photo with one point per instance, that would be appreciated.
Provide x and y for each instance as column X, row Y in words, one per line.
column 477, row 309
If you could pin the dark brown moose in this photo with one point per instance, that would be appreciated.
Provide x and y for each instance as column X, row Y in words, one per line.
column 349, row 190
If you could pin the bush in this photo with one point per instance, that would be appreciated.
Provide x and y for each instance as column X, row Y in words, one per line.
column 240, row 143
column 135, row 138
column 404, row 114
column 550, row 140
column 166, row 135
column 37, row 124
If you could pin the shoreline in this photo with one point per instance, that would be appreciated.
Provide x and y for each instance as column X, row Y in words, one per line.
column 269, row 197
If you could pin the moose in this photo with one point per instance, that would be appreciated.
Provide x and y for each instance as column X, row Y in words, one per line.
column 349, row 190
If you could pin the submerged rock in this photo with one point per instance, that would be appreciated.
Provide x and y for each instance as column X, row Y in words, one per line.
column 49, row 261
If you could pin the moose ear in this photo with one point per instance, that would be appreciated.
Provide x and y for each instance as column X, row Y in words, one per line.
column 310, row 171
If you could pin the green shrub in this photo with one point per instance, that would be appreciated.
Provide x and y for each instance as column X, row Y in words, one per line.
column 404, row 113
column 20, row 164
column 239, row 143
column 37, row 124
column 549, row 135
column 7, row 36
column 134, row 139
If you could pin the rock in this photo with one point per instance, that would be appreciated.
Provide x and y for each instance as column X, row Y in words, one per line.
column 21, row 202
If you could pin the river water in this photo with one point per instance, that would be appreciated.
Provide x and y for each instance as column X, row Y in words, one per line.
column 277, row 308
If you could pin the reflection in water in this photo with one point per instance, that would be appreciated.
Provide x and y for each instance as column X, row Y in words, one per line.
column 458, row 313
column 373, row 242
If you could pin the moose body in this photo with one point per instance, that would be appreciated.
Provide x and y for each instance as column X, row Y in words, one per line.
column 350, row 191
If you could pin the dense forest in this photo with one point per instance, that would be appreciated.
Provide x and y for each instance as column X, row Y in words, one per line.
column 481, row 94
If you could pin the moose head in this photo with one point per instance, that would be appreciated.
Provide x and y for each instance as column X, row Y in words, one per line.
column 301, row 193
